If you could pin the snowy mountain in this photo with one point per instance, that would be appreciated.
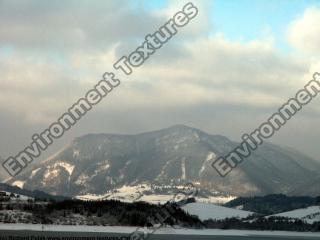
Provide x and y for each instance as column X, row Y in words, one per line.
column 100, row 163
column 206, row 211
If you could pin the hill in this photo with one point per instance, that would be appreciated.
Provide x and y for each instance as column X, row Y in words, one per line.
column 272, row 204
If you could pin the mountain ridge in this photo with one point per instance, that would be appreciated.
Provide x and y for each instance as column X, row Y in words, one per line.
column 97, row 163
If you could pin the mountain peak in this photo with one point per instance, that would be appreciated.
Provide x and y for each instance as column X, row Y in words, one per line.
column 180, row 126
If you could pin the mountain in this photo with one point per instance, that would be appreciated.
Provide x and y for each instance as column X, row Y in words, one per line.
column 98, row 163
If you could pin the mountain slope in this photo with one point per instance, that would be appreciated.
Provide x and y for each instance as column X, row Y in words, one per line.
column 97, row 163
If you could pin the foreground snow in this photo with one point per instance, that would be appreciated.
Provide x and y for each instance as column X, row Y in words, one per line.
column 310, row 214
column 167, row 231
column 207, row 211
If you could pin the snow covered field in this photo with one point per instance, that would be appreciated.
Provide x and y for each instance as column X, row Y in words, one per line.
column 310, row 214
column 207, row 211
column 166, row 231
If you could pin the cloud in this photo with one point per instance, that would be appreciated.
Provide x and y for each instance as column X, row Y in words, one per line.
column 69, row 25
column 60, row 50
column 219, row 71
column 304, row 32
column 58, row 47
column 206, row 69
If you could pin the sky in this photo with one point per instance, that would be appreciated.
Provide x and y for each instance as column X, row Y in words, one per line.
column 225, row 73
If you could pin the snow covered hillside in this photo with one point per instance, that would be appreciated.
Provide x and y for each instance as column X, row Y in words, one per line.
column 310, row 214
column 207, row 211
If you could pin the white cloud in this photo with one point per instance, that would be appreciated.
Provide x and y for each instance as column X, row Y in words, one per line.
column 71, row 25
column 58, row 56
column 207, row 70
column 304, row 32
